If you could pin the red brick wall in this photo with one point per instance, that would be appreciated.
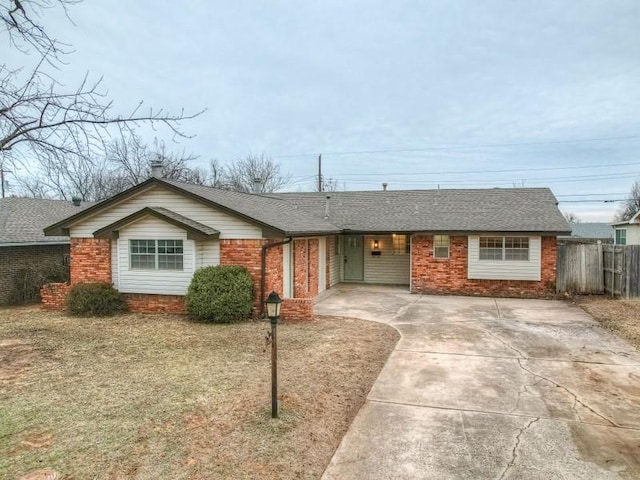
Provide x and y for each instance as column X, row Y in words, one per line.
column 274, row 280
column 300, row 269
column 312, row 271
column 431, row 275
column 297, row 309
column 90, row 260
column 147, row 303
column 247, row 253
column 54, row 296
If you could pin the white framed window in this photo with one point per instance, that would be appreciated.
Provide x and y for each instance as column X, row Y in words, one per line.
column 401, row 244
column 156, row 254
column 441, row 246
column 504, row 248
column 621, row 236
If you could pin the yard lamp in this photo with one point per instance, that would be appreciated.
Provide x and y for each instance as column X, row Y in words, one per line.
column 273, row 311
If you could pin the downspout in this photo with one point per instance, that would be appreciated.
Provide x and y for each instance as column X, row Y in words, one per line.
column 263, row 269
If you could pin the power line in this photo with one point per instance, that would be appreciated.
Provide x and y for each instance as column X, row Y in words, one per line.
column 471, row 172
column 573, row 178
column 463, row 147
column 514, row 170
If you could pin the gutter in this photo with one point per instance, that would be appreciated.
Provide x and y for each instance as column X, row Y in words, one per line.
column 263, row 269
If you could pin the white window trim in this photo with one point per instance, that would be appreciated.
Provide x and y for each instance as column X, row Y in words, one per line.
column 156, row 254
column 448, row 247
column 616, row 236
column 504, row 249
column 406, row 244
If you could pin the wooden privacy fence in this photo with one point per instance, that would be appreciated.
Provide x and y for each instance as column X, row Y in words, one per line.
column 580, row 268
column 612, row 269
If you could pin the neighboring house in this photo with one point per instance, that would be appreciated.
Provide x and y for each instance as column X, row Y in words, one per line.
column 589, row 232
column 150, row 239
column 627, row 232
column 22, row 241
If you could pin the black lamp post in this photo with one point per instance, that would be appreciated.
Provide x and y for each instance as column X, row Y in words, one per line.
column 273, row 312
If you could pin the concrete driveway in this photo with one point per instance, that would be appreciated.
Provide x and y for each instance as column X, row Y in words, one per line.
column 485, row 388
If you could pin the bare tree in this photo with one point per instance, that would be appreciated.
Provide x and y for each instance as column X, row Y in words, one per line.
column 43, row 121
column 572, row 217
column 21, row 19
column 631, row 205
column 254, row 174
column 125, row 164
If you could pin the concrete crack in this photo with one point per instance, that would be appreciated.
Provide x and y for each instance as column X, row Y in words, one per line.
column 514, row 451
column 576, row 399
column 505, row 343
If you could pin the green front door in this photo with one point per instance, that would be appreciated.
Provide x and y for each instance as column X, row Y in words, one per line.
column 353, row 258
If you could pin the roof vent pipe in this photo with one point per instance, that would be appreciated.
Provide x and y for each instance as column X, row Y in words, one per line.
column 156, row 168
column 384, row 187
column 326, row 207
column 76, row 201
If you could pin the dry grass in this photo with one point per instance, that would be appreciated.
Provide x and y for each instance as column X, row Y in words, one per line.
column 156, row 396
column 617, row 315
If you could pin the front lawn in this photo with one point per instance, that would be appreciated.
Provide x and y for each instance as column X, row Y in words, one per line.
column 156, row 396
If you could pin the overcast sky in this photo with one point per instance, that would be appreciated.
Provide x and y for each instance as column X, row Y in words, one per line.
column 415, row 94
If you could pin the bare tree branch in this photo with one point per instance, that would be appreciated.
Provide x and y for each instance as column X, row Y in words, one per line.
column 254, row 174
column 631, row 205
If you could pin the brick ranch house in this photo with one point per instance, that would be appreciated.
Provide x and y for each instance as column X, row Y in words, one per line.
column 149, row 240
column 23, row 244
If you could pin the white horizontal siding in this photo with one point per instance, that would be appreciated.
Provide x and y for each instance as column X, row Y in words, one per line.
column 207, row 253
column 227, row 225
column 504, row 270
column 633, row 234
column 167, row 282
column 335, row 261
column 386, row 267
column 114, row 263
column 322, row 264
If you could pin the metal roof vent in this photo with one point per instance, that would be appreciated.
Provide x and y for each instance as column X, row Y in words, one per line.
column 384, row 187
column 76, row 201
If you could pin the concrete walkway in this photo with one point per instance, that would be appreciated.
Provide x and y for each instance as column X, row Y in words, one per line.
column 483, row 388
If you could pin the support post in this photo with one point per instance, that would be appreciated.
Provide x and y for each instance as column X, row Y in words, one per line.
column 274, row 370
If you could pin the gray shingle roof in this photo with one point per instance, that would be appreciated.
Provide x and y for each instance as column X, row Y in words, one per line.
column 163, row 213
column 22, row 219
column 477, row 210
column 532, row 210
column 273, row 212
column 592, row 230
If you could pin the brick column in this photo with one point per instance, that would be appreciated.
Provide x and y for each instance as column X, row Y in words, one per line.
column 90, row 260
column 246, row 253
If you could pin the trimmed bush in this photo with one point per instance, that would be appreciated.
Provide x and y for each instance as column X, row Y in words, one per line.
column 220, row 294
column 94, row 299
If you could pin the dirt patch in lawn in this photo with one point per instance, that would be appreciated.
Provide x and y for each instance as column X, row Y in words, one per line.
column 156, row 396
column 620, row 316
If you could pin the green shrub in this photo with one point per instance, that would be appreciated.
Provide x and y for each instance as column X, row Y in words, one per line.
column 28, row 281
column 220, row 294
column 94, row 299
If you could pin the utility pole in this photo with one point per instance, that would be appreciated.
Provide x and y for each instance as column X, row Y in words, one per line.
column 320, row 172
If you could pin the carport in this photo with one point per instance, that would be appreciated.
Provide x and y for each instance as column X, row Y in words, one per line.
column 482, row 387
